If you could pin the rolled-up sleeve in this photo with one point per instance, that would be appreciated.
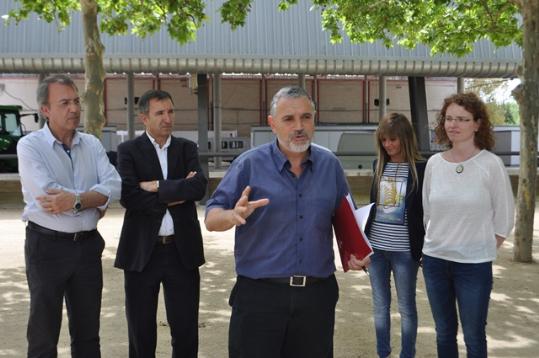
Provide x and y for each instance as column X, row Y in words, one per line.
column 109, row 182
column 229, row 189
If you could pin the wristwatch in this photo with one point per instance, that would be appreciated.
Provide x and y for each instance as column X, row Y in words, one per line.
column 157, row 185
column 77, row 206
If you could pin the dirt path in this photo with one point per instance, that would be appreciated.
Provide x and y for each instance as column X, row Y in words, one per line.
column 513, row 328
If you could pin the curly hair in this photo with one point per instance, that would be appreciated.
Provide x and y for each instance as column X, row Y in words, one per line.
column 484, row 137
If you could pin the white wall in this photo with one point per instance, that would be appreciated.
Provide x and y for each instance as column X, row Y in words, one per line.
column 22, row 92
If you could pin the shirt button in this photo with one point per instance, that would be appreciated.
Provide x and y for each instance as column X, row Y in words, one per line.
column 301, row 216
column 300, row 195
column 300, row 239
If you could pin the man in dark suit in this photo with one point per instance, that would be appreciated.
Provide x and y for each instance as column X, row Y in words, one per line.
column 161, row 241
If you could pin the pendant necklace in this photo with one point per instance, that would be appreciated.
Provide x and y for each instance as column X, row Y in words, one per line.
column 460, row 167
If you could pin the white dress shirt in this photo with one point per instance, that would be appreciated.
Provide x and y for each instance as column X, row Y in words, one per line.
column 44, row 165
column 167, row 225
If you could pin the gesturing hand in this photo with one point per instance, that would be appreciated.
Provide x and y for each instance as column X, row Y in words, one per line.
column 244, row 208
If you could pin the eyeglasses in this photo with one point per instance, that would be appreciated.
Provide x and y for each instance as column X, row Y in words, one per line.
column 457, row 119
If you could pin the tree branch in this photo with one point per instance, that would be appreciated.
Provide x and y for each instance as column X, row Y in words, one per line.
column 518, row 3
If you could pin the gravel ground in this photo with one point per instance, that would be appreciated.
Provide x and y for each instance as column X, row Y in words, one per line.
column 512, row 328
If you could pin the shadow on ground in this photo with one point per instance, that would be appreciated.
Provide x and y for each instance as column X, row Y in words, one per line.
column 512, row 328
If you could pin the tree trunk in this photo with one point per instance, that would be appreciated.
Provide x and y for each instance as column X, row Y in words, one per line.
column 94, row 119
column 528, row 99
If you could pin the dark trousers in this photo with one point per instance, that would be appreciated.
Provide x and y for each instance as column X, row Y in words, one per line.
column 58, row 268
column 181, row 291
column 272, row 320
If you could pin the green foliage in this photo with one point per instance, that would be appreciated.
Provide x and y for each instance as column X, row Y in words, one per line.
column 447, row 26
column 512, row 113
column 504, row 110
column 235, row 12
column 58, row 10
column 503, row 113
column 182, row 17
column 496, row 113
column 486, row 87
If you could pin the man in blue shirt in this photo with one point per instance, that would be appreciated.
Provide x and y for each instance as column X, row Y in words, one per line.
column 281, row 197
column 67, row 184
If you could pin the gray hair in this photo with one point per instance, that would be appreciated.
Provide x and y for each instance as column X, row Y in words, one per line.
column 43, row 87
column 144, row 100
column 290, row 92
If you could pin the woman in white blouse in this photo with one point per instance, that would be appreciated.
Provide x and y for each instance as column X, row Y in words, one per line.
column 468, row 212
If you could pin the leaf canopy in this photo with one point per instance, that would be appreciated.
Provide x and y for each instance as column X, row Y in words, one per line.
column 446, row 26
column 182, row 18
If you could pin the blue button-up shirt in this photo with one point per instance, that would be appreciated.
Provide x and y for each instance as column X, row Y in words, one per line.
column 44, row 164
column 293, row 234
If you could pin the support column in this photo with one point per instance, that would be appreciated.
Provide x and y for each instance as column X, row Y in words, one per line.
column 316, row 98
column 217, row 117
column 203, row 95
column 264, row 101
column 382, row 97
column 301, row 80
column 460, row 84
column 130, row 105
column 366, row 96
column 418, row 107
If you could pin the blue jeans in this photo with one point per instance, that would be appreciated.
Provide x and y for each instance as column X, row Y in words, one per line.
column 405, row 276
column 467, row 285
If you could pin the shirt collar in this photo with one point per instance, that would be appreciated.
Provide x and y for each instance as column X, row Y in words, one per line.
column 155, row 144
column 51, row 139
column 281, row 161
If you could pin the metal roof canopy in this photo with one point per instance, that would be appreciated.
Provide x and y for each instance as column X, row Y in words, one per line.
column 271, row 41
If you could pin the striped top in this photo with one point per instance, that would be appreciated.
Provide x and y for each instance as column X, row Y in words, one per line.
column 389, row 230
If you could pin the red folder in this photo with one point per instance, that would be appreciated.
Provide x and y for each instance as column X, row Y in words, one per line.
column 350, row 237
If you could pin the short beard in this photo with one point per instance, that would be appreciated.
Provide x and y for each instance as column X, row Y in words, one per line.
column 291, row 146
column 299, row 148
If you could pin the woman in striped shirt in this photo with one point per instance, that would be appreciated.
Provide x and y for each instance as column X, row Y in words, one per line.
column 395, row 230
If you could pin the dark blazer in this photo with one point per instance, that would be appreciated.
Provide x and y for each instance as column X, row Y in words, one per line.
column 138, row 161
column 414, row 206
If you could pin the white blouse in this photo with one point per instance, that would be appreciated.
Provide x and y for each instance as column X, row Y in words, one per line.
column 464, row 211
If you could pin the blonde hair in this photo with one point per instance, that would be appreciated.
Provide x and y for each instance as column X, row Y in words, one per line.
column 396, row 125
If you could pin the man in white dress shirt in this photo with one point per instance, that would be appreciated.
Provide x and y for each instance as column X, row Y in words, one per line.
column 67, row 184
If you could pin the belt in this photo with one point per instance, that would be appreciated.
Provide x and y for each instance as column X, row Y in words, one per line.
column 165, row 240
column 294, row 281
column 81, row 235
